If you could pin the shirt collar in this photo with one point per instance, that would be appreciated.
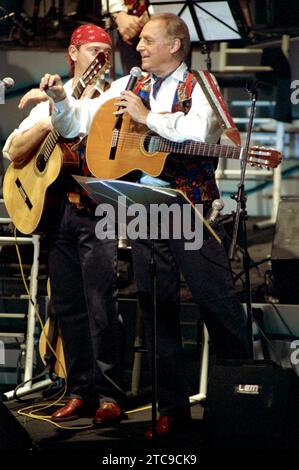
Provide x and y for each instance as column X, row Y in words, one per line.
column 177, row 74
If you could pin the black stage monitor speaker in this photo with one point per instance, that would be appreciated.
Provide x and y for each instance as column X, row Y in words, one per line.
column 285, row 251
column 252, row 403
column 12, row 434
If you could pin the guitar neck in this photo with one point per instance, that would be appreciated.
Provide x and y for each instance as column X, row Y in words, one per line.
column 99, row 63
column 198, row 148
column 52, row 139
column 78, row 90
column 49, row 145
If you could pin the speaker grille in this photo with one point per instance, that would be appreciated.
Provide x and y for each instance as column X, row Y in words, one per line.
column 254, row 399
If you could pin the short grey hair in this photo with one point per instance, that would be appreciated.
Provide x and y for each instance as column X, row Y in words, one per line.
column 176, row 28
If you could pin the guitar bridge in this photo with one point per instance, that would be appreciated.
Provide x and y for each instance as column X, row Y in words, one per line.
column 23, row 194
column 114, row 143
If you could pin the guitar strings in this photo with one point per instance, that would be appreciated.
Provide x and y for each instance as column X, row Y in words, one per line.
column 263, row 156
column 135, row 138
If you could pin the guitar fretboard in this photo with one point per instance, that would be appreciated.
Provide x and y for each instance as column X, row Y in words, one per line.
column 78, row 91
column 50, row 143
column 199, row 148
column 52, row 139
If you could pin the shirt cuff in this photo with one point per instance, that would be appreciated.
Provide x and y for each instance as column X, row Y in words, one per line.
column 60, row 106
column 5, row 150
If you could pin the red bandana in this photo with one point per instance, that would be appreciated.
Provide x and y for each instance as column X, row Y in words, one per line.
column 87, row 33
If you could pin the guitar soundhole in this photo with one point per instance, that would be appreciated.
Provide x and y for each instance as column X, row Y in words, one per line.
column 151, row 143
column 40, row 162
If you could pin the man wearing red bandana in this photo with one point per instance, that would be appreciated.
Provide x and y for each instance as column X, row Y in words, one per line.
column 82, row 268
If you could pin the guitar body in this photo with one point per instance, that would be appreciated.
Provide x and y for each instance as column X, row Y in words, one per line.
column 26, row 189
column 58, row 366
column 137, row 148
column 131, row 150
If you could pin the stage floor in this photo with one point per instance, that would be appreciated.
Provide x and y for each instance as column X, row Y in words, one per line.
column 108, row 444
column 98, row 445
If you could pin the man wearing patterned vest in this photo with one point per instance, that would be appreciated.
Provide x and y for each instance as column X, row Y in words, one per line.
column 172, row 104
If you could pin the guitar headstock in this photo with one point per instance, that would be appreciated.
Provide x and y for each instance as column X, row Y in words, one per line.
column 99, row 65
column 264, row 157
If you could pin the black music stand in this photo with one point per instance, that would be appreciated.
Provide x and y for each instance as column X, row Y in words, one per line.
column 109, row 191
column 207, row 21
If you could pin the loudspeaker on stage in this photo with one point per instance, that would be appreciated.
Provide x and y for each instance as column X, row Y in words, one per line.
column 251, row 404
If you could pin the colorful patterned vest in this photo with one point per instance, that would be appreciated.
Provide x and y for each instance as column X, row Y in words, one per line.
column 195, row 176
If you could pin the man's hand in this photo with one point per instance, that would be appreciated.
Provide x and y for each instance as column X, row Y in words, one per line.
column 129, row 26
column 53, row 86
column 133, row 105
column 34, row 96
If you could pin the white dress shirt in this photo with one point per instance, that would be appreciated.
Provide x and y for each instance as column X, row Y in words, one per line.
column 37, row 113
column 72, row 117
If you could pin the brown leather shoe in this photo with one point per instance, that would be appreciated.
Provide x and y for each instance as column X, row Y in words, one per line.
column 165, row 426
column 69, row 411
column 108, row 413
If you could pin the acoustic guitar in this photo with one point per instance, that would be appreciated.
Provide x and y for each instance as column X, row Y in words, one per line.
column 51, row 335
column 28, row 190
column 57, row 362
column 113, row 153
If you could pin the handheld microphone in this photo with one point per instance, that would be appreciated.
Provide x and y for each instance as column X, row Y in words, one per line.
column 214, row 212
column 135, row 74
column 7, row 82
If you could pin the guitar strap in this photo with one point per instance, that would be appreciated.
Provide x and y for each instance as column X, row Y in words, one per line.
column 214, row 97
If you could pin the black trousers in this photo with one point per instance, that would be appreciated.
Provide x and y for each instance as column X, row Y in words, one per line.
column 83, row 272
column 213, row 291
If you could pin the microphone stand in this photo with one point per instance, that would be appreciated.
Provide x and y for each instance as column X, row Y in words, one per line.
column 205, row 49
column 241, row 212
column 153, row 296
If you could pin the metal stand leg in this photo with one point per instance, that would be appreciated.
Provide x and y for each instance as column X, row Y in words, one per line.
column 29, row 352
column 152, row 269
column 204, row 365
column 136, row 370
